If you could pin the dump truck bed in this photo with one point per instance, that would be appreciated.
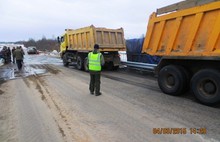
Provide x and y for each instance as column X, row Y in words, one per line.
column 189, row 32
column 84, row 39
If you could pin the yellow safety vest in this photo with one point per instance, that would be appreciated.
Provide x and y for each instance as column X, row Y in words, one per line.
column 94, row 61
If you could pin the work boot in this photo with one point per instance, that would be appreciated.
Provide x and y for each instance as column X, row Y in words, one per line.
column 92, row 93
column 98, row 94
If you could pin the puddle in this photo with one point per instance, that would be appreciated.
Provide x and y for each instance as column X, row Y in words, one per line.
column 33, row 64
column 6, row 74
column 28, row 70
column 10, row 72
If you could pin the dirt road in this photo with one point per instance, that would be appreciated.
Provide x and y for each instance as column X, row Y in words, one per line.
column 51, row 103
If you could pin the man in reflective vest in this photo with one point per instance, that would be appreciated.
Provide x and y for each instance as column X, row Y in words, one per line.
column 95, row 60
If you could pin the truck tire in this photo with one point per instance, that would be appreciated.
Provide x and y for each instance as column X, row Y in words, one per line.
column 115, row 68
column 65, row 60
column 79, row 63
column 205, row 86
column 172, row 80
column 86, row 68
column 110, row 66
column 187, row 76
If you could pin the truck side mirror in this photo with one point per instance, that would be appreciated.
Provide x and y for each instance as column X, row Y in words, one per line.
column 58, row 39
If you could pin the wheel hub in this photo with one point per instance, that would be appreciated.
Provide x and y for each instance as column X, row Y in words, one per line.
column 209, row 87
column 170, row 80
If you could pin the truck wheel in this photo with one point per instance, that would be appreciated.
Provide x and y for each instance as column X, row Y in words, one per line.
column 79, row 63
column 187, row 76
column 172, row 80
column 115, row 68
column 205, row 86
column 86, row 64
column 65, row 60
column 109, row 66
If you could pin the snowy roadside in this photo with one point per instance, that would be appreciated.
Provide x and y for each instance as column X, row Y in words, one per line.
column 54, row 53
column 2, row 61
column 122, row 54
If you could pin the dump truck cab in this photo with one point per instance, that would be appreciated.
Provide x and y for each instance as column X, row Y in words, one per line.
column 62, row 40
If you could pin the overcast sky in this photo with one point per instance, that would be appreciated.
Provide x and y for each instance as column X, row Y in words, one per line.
column 25, row 19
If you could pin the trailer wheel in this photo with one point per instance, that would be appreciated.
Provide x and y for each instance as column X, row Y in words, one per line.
column 79, row 63
column 86, row 68
column 205, row 86
column 65, row 60
column 172, row 80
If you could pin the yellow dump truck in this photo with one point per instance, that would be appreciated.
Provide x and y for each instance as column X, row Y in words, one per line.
column 187, row 37
column 76, row 44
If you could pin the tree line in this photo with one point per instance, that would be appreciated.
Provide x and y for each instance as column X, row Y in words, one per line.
column 42, row 44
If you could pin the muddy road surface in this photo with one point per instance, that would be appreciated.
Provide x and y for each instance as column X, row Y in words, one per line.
column 46, row 102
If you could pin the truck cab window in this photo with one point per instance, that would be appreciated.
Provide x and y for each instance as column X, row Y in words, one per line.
column 62, row 39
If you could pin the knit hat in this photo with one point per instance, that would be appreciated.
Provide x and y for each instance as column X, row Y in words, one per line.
column 96, row 46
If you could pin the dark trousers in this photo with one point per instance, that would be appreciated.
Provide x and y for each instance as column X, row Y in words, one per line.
column 19, row 64
column 13, row 59
column 95, row 82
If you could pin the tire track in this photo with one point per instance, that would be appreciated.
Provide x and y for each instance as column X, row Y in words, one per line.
column 60, row 114
column 34, row 121
column 154, row 88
